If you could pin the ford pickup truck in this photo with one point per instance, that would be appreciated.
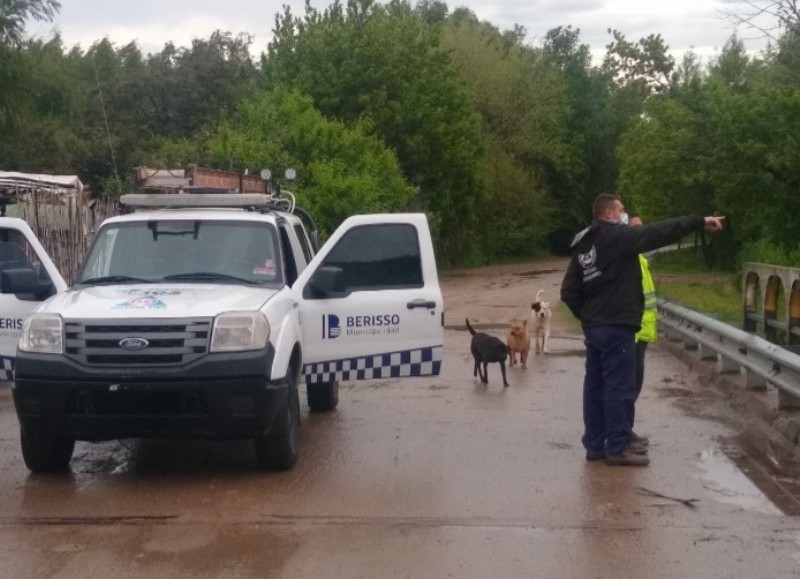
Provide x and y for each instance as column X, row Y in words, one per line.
column 195, row 316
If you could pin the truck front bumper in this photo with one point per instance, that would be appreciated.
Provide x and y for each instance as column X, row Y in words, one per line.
column 222, row 397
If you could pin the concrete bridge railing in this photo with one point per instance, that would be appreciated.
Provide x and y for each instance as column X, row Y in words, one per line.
column 771, row 302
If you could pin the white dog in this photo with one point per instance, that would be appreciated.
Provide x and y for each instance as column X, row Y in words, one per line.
column 541, row 314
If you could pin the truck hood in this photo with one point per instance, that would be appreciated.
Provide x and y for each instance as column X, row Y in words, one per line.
column 156, row 301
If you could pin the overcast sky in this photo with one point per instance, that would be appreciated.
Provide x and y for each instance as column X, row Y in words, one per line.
column 700, row 25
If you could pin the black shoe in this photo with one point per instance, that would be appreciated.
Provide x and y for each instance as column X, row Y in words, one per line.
column 645, row 440
column 592, row 455
column 627, row 458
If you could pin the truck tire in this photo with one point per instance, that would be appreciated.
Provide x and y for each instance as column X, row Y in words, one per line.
column 277, row 449
column 323, row 397
column 43, row 453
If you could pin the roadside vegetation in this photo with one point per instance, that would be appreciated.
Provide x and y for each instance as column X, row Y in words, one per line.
column 682, row 276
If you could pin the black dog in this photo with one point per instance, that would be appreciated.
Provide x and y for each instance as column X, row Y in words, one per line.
column 485, row 349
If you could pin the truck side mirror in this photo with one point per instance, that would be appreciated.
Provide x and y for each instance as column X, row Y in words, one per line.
column 328, row 282
column 25, row 284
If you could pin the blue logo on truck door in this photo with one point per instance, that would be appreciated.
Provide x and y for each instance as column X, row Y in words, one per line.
column 330, row 327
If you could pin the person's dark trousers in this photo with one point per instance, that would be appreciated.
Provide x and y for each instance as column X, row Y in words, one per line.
column 609, row 388
column 641, row 348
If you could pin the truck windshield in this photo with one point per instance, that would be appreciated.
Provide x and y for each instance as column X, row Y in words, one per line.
column 191, row 251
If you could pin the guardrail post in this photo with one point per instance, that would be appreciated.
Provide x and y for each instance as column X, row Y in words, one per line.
column 753, row 381
column 706, row 353
column 787, row 401
column 726, row 365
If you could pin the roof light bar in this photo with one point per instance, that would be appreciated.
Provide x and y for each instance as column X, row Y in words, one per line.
column 196, row 200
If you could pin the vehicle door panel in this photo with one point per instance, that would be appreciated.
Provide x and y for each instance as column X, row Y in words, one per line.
column 382, row 314
column 20, row 249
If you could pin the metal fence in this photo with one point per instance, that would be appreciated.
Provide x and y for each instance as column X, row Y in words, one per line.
column 759, row 360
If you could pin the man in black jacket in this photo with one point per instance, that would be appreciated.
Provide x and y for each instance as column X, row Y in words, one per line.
column 603, row 289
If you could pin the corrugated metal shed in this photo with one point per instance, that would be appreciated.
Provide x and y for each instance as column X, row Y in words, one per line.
column 13, row 182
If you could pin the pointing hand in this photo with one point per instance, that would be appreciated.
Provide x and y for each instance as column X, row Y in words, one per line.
column 714, row 223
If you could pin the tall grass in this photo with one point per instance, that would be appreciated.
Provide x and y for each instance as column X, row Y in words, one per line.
column 682, row 277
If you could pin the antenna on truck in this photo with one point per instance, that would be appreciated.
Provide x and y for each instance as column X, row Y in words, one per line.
column 105, row 118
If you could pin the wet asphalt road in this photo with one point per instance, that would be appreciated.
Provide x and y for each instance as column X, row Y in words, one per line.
column 423, row 478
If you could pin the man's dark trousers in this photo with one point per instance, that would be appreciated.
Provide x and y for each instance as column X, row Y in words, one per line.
column 609, row 388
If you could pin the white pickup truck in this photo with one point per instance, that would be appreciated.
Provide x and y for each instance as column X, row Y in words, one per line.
column 194, row 315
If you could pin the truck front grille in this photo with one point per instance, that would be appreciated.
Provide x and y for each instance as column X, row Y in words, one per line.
column 168, row 342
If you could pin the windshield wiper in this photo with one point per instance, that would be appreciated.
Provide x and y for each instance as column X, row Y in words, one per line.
column 114, row 279
column 209, row 276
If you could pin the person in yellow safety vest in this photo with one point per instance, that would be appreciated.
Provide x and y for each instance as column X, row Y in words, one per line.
column 648, row 332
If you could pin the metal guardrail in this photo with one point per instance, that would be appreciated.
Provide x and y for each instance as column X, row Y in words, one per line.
column 761, row 361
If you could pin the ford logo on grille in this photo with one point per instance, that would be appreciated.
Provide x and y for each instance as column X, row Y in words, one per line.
column 133, row 343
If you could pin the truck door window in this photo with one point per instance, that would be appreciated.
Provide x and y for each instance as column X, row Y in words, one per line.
column 304, row 244
column 288, row 256
column 375, row 257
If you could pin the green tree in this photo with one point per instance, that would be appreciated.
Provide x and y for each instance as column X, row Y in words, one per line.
column 597, row 116
column 664, row 160
column 723, row 142
column 381, row 64
column 343, row 169
column 45, row 136
column 13, row 73
column 756, row 160
column 644, row 66
column 14, row 13
column 523, row 109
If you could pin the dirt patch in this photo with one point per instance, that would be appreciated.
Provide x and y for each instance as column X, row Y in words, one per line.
column 493, row 296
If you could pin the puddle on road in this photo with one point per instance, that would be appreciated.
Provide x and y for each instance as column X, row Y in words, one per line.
column 731, row 486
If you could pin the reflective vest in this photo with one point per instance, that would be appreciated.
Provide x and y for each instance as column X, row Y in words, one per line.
column 648, row 332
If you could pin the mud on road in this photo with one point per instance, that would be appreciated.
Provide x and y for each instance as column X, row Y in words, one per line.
column 493, row 296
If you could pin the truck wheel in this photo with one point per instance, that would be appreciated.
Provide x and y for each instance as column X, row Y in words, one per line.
column 43, row 453
column 324, row 396
column 277, row 449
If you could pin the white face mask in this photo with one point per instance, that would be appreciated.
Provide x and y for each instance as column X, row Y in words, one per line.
column 623, row 218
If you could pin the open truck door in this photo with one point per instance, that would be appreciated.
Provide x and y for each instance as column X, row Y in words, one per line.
column 370, row 302
column 27, row 277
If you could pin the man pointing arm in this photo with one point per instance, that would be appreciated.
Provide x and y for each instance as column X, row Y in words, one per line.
column 603, row 289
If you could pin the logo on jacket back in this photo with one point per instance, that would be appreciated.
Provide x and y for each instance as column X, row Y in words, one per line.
column 330, row 327
column 588, row 263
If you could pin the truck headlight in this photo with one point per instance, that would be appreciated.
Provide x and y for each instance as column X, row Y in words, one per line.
column 42, row 334
column 239, row 331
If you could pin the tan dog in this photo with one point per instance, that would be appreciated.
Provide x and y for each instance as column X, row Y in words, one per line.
column 518, row 341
